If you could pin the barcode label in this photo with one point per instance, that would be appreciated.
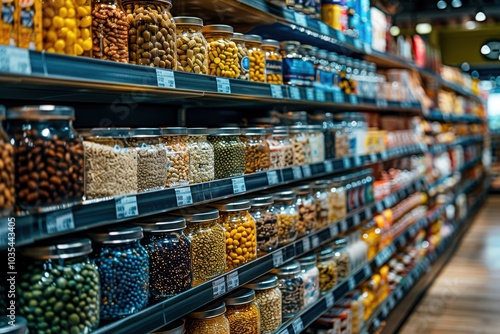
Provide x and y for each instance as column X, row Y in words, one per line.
column 272, row 178
column 315, row 241
column 295, row 93
column 306, row 245
column 351, row 283
column 306, row 171
column 276, row 91
column 183, row 196
column 239, row 185
column 328, row 166
column 14, row 60
column 219, row 287
column 297, row 325
column 233, row 281
column 278, row 259
column 297, row 173
column 165, row 78
column 300, row 19
column 320, row 95
column 223, row 86
column 329, row 299
column 367, row 271
column 60, row 221
column 126, row 207
column 347, row 163
column 310, row 94
column 334, row 231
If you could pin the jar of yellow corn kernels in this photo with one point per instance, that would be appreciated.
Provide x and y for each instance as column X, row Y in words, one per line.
column 59, row 26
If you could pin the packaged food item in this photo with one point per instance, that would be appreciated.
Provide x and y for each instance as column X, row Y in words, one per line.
column 342, row 258
column 310, row 275
column 210, row 319
column 178, row 163
column 266, row 223
column 229, row 152
column 274, row 61
column 338, row 201
column 291, row 285
column 306, row 206
column 268, row 297
column 191, row 45
column 7, row 194
column 243, row 312
column 257, row 58
column 257, row 153
column 243, row 59
column 110, row 31
column 321, row 196
column 220, row 44
column 201, row 156
column 287, row 216
column 325, row 121
column 327, row 269
column 332, row 13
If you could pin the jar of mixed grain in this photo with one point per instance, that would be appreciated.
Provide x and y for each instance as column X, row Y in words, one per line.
column 59, row 26
column 280, row 149
column 256, row 150
column 223, row 58
column 274, row 61
column 201, row 156
column 342, row 258
column 266, row 223
column 327, row 269
column 301, row 145
column 229, row 152
column 268, row 297
column 191, row 45
column 243, row 312
column 321, row 196
column 310, row 275
column 210, row 319
column 243, row 59
column 317, row 143
column 306, row 206
column 291, row 285
column 338, row 200
column 110, row 31
column 286, row 215
column 7, row 193
column 177, row 164
column 342, row 145
column 257, row 58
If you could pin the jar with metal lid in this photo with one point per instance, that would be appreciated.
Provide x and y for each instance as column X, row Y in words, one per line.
column 280, row 149
column 333, row 59
column 338, row 200
column 58, row 287
column 327, row 269
column 83, row 46
column 241, row 232
column 344, row 84
column 342, row 144
column 257, row 153
column 291, row 118
column 321, row 196
column 229, row 152
column 306, row 206
column 7, row 193
column 291, row 285
column 8, row 24
column 309, row 61
column 19, row 326
column 169, row 250
column 342, row 258
column 301, row 145
column 310, row 275
column 49, row 157
column 201, row 156
column 274, row 61
column 268, row 297
column 176, row 327
column 369, row 195
column 296, row 71
column 174, row 139
column 266, row 223
column 208, row 243
column 350, row 76
column 243, row 59
column 191, row 45
column 325, row 121
column 324, row 73
column 56, row 22
column 223, row 58
column 243, row 312
column 110, row 31
column 210, row 319
column 257, row 58
column 316, row 143
column 123, row 265
column 151, row 158
column 286, row 215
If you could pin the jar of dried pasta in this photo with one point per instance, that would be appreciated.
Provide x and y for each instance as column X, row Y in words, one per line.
column 191, row 45
column 243, row 58
column 268, row 298
column 257, row 58
column 274, row 61
column 243, row 312
column 223, row 58
column 210, row 319
column 177, row 164
column 256, row 150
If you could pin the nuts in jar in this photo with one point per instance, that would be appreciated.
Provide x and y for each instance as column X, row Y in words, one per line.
column 59, row 26
column 327, row 269
column 243, row 59
column 274, row 62
column 242, row 312
column 321, row 196
column 291, row 284
column 223, row 58
column 177, row 165
column 281, row 149
column 109, row 31
column 306, row 206
column 83, row 46
column 268, row 297
column 301, row 146
column 256, row 150
column 7, row 191
column 191, row 45
column 265, row 219
column 208, row 320
column 257, row 58
column 287, row 216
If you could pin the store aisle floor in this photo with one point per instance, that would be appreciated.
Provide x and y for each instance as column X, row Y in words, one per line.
column 465, row 297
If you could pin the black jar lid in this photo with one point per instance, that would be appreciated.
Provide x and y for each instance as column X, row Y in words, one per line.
column 254, row 131
column 232, row 205
column 285, row 196
column 271, row 42
column 218, row 28
column 198, row 214
column 265, row 282
column 228, row 131
column 42, row 112
column 174, row 131
column 176, row 327
column 303, row 189
column 308, row 260
column 325, row 253
column 240, row 297
column 197, row 131
column 64, row 249
column 2, row 112
column 117, row 235
column 210, row 311
column 162, row 224
column 188, row 20
column 288, row 269
column 20, row 326
column 253, row 38
column 262, row 200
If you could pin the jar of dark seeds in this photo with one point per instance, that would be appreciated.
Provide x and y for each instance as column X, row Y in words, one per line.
column 268, row 297
column 291, row 285
column 286, row 215
column 306, row 206
column 229, row 152
column 267, row 228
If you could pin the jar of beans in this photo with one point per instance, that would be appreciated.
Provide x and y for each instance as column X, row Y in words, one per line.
column 327, row 269
column 243, row 312
column 338, row 200
column 208, row 243
column 83, row 46
column 59, row 27
column 306, row 206
column 310, row 275
column 317, row 143
column 268, row 298
column 342, row 258
column 243, row 58
column 110, row 31
column 174, row 139
column 7, row 191
column 286, row 215
column 257, row 58
column 209, row 320
column 256, row 150
column 191, row 45
column 229, row 152
column 280, row 149
column 201, row 156
column 241, row 232
column 49, row 157
column 321, row 196
column 58, row 287
column 325, row 120
column 169, row 250
column 342, row 146
column 123, row 265
column 176, row 327
column 301, row 146
column 291, row 285
column 223, row 58
column 265, row 219
column 274, row 61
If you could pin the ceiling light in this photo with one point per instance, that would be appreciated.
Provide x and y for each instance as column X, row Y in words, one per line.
column 465, row 66
column 456, row 3
column 395, row 31
column 442, row 4
column 480, row 16
column 485, row 49
column 471, row 25
column 423, row 28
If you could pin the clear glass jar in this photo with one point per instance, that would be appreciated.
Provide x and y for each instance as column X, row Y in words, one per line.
column 8, row 29
column 301, row 146
column 291, row 285
column 333, row 59
column 83, row 46
column 296, row 71
column 208, row 243
column 191, row 45
column 110, row 31
column 306, row 206
column 321, row 196
column 325, row 120
column 338, row 199
column 229, row 152
column 201, row 156
column 169, row 250
column 286, row 215
column 327, row 269
column 243, row 312
column 351, row 76
column 342, row 144
column 257, row 58
column 342, row 258
column 22, row 23
column 324, row 73
column 123, row 265
column 274, row 61
column 59, row 26
column 223, row 58
column 176, row 327
column 243, row 59
column 316, row 143
column 268, row 297
column 58, row 287
column 369, row 191
column 151, row 158
column 209, row 320
column 257, row 156
column 49, row 158
column 19, row 326
column 266, row 223
column 309, row 62
column 177, row 170
column 310, row 275
column 281, row 149
column 7, row 193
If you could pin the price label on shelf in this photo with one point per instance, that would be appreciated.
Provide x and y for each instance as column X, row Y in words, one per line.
column 367, row 271
column 338, row 97
column 382, row 103
column 297, row 172
column 343, row 225
column 351, row 283
column 276, row 91
column 14, row 60
column 373, row 157
column 368, row 213
column 392, row 302
column 340, row 36
column 399, row 293
column 347, row 163
column 310, row 94
column 330, row 300
column 315, row 241
column 324, row 29
column 384, row 155
column 165, row 78
column 223, row 86
column 357, row 161
column 60, row 222
column 233, row 281
column 358, row 44
column 334, row 231
column 356, row 220
column 300, row 19
column 376, row 323
column 239, row 185
column 297, row 325
column 320, row 95
column 328, row 166
column 306, row 171
column 385, row 311
column 126, row 207
column 272, row 178
column 295, row 93
column 278, row 259
column 353, row 99
column 218, row 287
column 183, row 196
column 306, row 245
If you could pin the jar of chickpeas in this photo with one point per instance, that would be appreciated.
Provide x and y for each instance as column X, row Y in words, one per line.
column 191, row 45
column 223, row 58
column 59, row 26
column 257, row 58
column 274, row 61
column 243, row 58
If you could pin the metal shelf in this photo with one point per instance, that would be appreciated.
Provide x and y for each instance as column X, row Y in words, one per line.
column 461, row 141
column 436, row 115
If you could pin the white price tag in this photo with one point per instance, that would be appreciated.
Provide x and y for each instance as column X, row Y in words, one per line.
column 306, row 245
column 297, row 325
column 351, row 283
column 183, row 196
column 368, row 49
column 384, row 155
column 324, row 29
column 272, row 178
column 126, row 207
column 276, row 91
column 310, row 94
column 343, row 226
column 356, row 220
column 330, row 300
column 239, row 185
column 223, row 86
column 328, row 166
column 338, row 96
column 278, row 259
column 218, row 287
column 320, row 95
column 233, row 281
column 306, row 171
column 300, row 19
column 60, row 221
column 295, row 93
column 165, row 78
column 14, row 60
column 357, row 161
column 367, row 271
column 340, row 36
column 334, row 231
column 353, row 99
column 373, row 157
column 358, row 44
column 315, row 241
column 297, row 172
column 347, row 163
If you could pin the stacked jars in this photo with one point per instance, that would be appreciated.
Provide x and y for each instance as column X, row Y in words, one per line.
column 223, row 58
column 229, row 152
column 280, row 149
column 286, row 215
column 321, row 196
column 201, row 156
column 177, row 173
column 266, row 223
column 310, row 275
column 306, row 206
column 257, row 58
column 274, row 61
column 59, row 28
column 301, row 146
column 110, row 31
column 268, row 297
column 208, row 320
column 256, row 150
column 327, row 269
column 243, row 59
column 191, row 45
column 243, row 312
column 7, row 192
column 291, row 285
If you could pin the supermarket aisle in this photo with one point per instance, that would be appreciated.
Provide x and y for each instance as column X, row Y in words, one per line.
column 465, row 297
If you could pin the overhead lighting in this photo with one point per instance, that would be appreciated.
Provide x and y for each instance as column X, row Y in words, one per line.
column 423, row 28
column 442, row 4
column 465, row 66
column 456, row 4
column 471, row 25
column 485, row 49
column 480, row 16
column 395, row 31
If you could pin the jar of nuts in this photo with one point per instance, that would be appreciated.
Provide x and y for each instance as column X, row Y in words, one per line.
column 201, row 156
column 110, row 31
column 243, row 312
column 342, row 258
column 286, row 215
column 291, row 285
column 280, row 149
column 223, row 58
column 338, row 200
column 310, row 274
column 243, row 58
column 49, row 158
column 210, row 319
column 327, row 269
column 321, row 195
column 257, row 58
column 274, row 61
column 27, row 23
column 256, row 150
column 241, row 232
column 317, row 143
column 8, row 31
column 59, row 26
column 177, row 163
column 301, row 145
column 7, row 192
column 83, row 45
column 229, row 152
column 268, row 298
column 265, row 219
column 306, row 206
column 191, row 45
column 342, row 146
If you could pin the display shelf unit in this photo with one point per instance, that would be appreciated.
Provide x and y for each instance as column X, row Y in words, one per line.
column 436, row 115
column 468, row 165
column 460, row 141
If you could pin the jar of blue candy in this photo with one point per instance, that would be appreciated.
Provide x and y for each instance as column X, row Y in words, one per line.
column 123, row 265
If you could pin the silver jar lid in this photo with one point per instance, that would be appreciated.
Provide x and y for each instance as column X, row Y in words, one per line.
column 198, row 214
column 145, row 132
column 41, row 112
column 254, row 131
column 229, row 131
column 322, row 54
column 304, row 189
column 218, row 28
column 325, row 253
column 339, row 243
column 105, row 132
column 20, row 326
column 288, row 269
column 237, row 36
column 262, row 200
column 64, row 249
column 321, row 184
column 290, row 44
column 332, row 56
column 308, row 260
column 188, row 20
column 240, row 297
column 117, row 235
column 281, row 132
column 265, row 282
column 176, row 327
column 253, row 38
column 298, row 128
column 2, row 112
column 173, row 131
column 162, row 224
column 211, row 311
column 271, row 42
column 314, row 128
column 232, row 205
column 197, row 131
column 285, row 196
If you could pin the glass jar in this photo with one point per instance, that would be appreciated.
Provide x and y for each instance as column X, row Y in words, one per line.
column 301, row 146
column 371, row 235
column 176, row 327
column 241, row 232
column 151, row 158
column 351, row 87
column 280, row 149
column 286, row 215
column 333, row 59
column 257, row 154
column 325, row 121
column 321, row 196
column 59, row 27
column 274, row 61
column 257, row 58
column 23, row 25
column 342, row 145
column 306, row 206
column 19, row 326
column 268, row 297
column 177, row 170
column 316, row 143
column 229, row 152
column 291, row 285
column 296, row 71
column 338, row 199
column 342, row 258
column 327, row 269
column 266, row 223
column 7, row 193
column 310, row 275
column 58, row 287
column 191, row 45
column 110, row 31
column 201, row 156
column 324, row 73
column 243, row 312
column 308, row 53
column 220, row 44
column 208, row 320
column 8, row 29
column 169, row 250
column 243, row 59
column 83, row 46
column 49, row 156
column 123, row 265
column 208, row 243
